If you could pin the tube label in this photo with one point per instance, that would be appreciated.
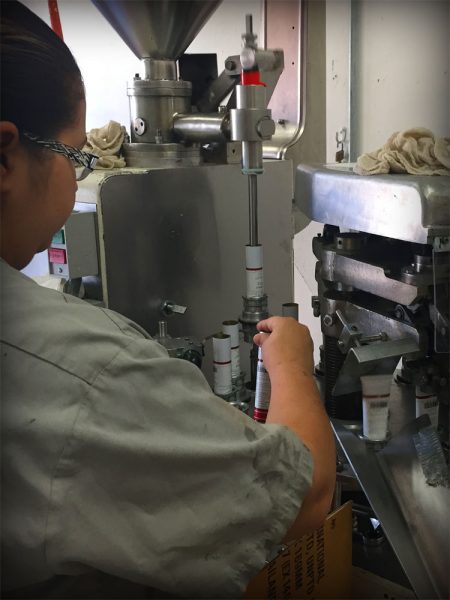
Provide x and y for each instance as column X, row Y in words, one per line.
column 375, row 417
column 262, row 392
column 428, row 405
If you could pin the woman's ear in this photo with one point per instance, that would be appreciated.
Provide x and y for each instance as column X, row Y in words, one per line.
column 9, row 154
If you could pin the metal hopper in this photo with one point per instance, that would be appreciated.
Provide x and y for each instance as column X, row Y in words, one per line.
column 158, row 29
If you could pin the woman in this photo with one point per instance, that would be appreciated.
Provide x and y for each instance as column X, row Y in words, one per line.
column 122, row 472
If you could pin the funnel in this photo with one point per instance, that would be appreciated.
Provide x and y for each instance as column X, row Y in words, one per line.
column 157, row 29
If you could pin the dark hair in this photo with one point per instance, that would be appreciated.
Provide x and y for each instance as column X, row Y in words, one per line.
column 41, row 84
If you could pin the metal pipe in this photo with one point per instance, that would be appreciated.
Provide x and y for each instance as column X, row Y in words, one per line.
column 214, row 127
column 290, row 309
column 159, row 70
column 253, row 210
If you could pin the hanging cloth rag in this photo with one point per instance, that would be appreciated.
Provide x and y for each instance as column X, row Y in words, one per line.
column 106, row 143
column 415, row 151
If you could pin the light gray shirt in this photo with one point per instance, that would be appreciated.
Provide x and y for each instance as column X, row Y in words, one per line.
column 120, row 460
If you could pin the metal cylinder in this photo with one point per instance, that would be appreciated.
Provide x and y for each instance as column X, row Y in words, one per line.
column 160, row 69
column 253, row 210
column 162, row 329
column 290, row 309
column 153, row 105
column 251, row 97
column 200, row 128
column 252, row 158
column 222, row 364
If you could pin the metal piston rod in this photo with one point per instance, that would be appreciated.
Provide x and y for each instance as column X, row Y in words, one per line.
column 253, row 210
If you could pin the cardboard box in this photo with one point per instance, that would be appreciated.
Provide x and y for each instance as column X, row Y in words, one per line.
column 319, row 565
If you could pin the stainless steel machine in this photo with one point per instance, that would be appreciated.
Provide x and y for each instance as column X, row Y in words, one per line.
column 179, row 230
column 383, row 275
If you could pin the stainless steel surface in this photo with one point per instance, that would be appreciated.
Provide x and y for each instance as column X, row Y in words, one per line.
column 181, row 233
column 382, row 498
column 251, row 120
column 368, row 321
column 157, row 28
column 375, row 358
column 290, row 309
column 368, row 277
column 252, row 158
column 253, row 210
column 286, row 27
column 404, row 207
column 254, row 310
column 426, row 508
column 155, row 103
column 160, row 69
column 161, row 155
column 199, row 127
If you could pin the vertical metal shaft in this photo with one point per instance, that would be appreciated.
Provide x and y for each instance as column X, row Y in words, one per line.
column 253, row 210
column 249, row 23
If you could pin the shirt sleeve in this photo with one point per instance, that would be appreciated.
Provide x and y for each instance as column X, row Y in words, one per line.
column 164, row 484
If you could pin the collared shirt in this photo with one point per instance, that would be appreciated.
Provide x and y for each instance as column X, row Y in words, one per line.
column 119, row 460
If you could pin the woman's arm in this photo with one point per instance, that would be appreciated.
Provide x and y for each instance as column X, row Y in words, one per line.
column 295, row 402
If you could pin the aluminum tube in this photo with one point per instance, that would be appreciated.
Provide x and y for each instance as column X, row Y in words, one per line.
column 231, row 328
column 199, row 127
column 254, row 271
column 253, row 210
column 222, row 364
column 262, row 392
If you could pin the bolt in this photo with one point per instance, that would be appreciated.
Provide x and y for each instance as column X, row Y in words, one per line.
column 327, row 320
column 341, row 344
column 230, row 65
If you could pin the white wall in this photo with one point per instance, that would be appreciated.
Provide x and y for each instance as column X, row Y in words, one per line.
column 400, row 77
column 403, row 75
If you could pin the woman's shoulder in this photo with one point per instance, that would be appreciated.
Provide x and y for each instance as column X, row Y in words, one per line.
column 61, row 329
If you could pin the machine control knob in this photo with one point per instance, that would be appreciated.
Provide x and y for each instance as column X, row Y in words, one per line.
column 139, row 126
column 265, row 128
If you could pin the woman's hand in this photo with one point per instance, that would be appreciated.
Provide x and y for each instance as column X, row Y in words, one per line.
column 286, row 344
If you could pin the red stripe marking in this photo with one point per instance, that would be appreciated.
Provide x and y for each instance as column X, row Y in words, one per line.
column 260, row 415
column 376, row 396
column 228, row 362
column 251, row 269
column 54, row 17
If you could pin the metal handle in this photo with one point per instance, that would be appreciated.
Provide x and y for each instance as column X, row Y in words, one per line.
column 168, row 308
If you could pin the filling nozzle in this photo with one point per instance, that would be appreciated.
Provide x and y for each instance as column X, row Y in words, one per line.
column 251, row 121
